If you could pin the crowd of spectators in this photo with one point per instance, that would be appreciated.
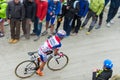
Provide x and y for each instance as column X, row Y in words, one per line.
column 21, row 14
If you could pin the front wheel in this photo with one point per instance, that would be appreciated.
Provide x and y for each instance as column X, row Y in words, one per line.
column 57, row 63
column 25, row 69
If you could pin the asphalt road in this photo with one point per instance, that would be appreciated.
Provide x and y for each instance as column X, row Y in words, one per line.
column 85, row 53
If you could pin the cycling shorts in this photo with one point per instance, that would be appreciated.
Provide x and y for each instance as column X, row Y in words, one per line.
column 51, row 19
column 43, row 56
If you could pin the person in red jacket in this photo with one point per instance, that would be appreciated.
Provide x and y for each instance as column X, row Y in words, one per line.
column 41, row 11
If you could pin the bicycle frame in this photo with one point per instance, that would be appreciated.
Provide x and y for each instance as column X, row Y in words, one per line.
column 56, row 59
column 35, row 58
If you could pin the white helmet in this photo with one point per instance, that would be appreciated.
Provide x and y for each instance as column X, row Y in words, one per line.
column 61, row 33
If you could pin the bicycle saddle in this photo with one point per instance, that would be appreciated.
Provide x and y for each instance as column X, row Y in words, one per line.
column 32, row 53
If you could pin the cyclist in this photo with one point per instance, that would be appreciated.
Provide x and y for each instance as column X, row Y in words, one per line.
column 50, row 45
column 105, row 73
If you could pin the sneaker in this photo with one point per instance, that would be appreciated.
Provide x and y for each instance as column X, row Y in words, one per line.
column 108, row 24
column 49, row 36
column 11, row 40
column 22, row 36
column 15, row 41
column 81, row 28
column 6, row 23
column 74, row 34
column 97, row 27
column 37, row 38
column 39, row 72
column 44, row 33
column 33, row 34
column 87, row 33
column 1, row 35
column 112, row 22
column 54, row 32
column 49, row 26
column 27, row 37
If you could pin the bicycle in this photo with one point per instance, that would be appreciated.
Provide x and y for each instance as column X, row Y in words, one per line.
column 28, row 68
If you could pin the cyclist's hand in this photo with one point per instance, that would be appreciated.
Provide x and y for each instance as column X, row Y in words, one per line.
column 61, row 54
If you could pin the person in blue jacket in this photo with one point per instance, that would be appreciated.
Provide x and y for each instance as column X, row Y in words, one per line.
column 54, row 7
column 83, row 9
column 114, row 6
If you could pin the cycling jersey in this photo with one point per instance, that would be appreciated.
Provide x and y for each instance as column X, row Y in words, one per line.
column 49, row 45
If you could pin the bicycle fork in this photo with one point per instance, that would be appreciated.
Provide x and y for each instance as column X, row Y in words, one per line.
column 56, row 59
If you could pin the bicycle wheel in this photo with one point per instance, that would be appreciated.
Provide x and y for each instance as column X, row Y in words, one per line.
column 61, row 62
column 25, row 69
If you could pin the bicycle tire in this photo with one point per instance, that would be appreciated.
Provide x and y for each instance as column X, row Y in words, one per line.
column 51, row 63
column 27, row 63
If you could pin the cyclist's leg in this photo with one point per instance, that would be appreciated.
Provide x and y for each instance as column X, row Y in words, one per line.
column 43, row 59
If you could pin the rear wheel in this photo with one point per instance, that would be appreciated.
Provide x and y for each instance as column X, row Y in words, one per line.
column 59, row 63
column 25, row 69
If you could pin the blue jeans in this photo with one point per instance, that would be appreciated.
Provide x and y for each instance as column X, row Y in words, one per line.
column 39, row 29
column 67, row 25
column 111, row 13
column 35, row 25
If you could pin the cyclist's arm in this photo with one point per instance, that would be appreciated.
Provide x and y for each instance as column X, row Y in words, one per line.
column 56, row 51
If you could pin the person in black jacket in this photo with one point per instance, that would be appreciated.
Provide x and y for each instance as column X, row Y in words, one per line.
column 69, row 16
column 75, row 28
column 83, row 9
column 105, row 73
column 30, row 10
column 61, row 15
column 15, row 13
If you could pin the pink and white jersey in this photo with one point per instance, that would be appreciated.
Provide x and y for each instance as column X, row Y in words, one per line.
column 50, row 44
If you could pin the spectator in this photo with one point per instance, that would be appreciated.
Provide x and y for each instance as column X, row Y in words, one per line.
column 15, row 13
column 95, row 8
column 61, row 15
column 3, row 6
column 114, row 6
column 105, row 73
column 54, row 7
column 42, row 6
column 84, row 4
column 101, row 16
column 30, row 10
column 69, row 16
